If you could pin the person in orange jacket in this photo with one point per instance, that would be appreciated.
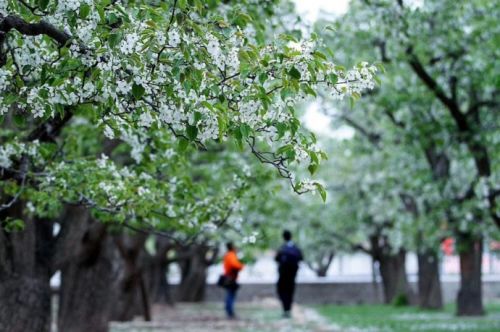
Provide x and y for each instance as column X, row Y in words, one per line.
column 232, row 266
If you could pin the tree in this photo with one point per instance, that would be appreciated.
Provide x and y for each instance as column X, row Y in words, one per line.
column 157, row 79
column 437, row 98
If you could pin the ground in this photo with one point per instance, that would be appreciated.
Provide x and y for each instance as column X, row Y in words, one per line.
column 265, row 316
column 379, row 318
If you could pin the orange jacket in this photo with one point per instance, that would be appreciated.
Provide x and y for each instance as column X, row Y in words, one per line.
column 232, row 265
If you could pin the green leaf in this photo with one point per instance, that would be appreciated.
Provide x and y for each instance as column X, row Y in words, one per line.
column 114, row 39
column 112, row 18
column 321, row 191
column 312, row 168
column 307, row 89
column 84, row 11
column 330, row 28
column 320, row 55
column 10, row 99
column 284, row 149
column 314, row 157
column 182, row 4
column 245, row 130
column 47, row 150
column 192, row 132
column 19, row 120
column 43, row 4
column 138, row 91
column 183, row 144
column 262, row 77
column 197, row 117
column 333, row 78
column 207, row 105
column 294, row 73
column 13, row 225
column 222, row 126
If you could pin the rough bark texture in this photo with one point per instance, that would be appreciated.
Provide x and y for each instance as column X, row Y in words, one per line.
column 25, row 275
column 133, row 297
column 26, row 257
column 86, row 292
column 156, row 273
column 429, row 284
column 158, row 288
column 24, row 304
column 392, row 268
column 394, row 280
column 194, row 264
column 470, row 297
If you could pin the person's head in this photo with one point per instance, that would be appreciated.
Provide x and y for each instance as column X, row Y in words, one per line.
column 229, row 246
column 287, row 235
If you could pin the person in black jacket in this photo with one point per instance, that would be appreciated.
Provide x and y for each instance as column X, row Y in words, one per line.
column 288, row 258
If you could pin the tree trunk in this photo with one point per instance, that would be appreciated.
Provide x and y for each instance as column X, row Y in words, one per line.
column 469, row 299
column 86, row 294
column 322, row 263
column 158, row 287
column 25, row 295
column 193, row 274
column 394, row 280
column 133, row 297
column 24, row 304
column 156, row 273
column 87, row 276
column 429, row 284
column 321, row 271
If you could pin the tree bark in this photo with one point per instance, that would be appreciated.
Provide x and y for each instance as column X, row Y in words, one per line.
column 470, row 298
column 133, row 298
column 87, row 278
column 194, row 264
column 158, row 288
column 156, row 273
column 24, row 304
column 429, row 284
column 394, row 279
column 25, row 295
column 321, row 263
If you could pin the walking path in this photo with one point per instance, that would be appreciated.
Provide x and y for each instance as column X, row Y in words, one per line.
column 263, row 316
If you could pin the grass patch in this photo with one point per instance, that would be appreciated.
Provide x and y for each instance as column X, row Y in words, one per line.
column 385, row 318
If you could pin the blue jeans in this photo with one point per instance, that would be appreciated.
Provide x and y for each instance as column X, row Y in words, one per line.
column 229, row 302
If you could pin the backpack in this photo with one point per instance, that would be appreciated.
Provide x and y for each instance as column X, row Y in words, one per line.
column 289, row 257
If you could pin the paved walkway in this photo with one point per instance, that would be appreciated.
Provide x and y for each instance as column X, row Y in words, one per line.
column 263, row 316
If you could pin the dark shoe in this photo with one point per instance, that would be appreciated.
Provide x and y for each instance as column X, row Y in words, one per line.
column 286, row 314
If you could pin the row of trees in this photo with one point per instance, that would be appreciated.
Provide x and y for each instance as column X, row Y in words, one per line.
column 123, row 138
column 130, row 132
column 423, row 163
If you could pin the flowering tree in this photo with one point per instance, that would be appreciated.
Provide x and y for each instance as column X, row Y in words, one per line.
column 134, row 68
column 101, row 100
column 434, row 107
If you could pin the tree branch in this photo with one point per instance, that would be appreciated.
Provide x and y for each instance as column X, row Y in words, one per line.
column 429, row 81
column 374, row 138
column 33, row 29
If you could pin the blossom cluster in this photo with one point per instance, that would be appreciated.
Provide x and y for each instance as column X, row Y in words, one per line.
column 13, row 150
column 142, row 77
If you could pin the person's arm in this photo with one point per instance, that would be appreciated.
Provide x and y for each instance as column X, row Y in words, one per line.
column 277, row 258
column 235, row 263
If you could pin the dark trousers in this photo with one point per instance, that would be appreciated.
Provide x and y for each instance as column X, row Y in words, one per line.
column 286, row 289
column 229, row 301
